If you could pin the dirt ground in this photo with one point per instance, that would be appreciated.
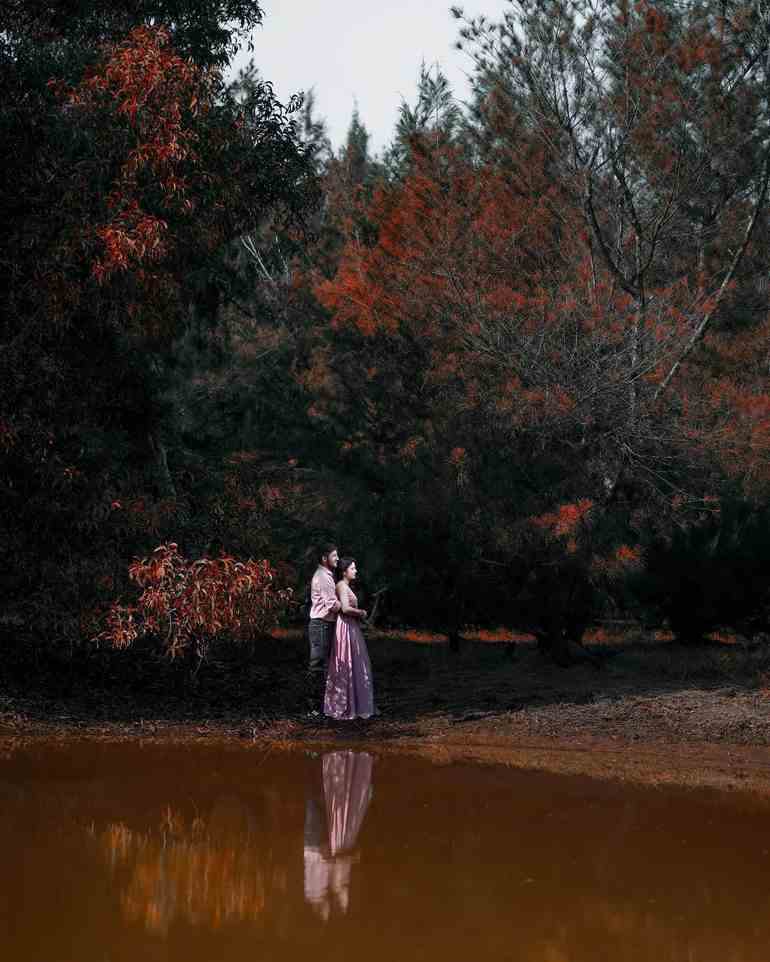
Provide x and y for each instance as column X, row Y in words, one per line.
column 641, row 708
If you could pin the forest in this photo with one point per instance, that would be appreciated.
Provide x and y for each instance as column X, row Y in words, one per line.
column 516, row 364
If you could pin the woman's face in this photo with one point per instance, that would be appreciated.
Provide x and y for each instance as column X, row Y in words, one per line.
column 351, row 572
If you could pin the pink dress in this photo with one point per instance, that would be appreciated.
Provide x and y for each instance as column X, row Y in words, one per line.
column 347, row 782
column 349, row 684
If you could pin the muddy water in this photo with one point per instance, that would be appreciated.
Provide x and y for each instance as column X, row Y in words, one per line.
column 131, row 852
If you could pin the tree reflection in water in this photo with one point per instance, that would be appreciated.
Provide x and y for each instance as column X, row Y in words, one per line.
column 208, row 872
column 332, row 824
column 231, row 866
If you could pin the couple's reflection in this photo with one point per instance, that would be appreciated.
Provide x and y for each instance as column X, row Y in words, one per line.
column 339, row 796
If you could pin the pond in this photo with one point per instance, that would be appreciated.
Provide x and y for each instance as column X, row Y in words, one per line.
column 119, row 851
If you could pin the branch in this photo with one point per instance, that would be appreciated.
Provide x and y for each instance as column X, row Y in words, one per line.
column 588, row 202
column 372, row 614
column 697, row 334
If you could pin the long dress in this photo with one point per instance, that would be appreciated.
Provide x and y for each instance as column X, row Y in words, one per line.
column 349, row 684
column 347, row 778
column 328, row 846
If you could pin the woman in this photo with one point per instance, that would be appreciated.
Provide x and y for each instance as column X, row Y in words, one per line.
column 349, row 685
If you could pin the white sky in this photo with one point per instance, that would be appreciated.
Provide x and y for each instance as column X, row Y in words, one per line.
column 364, row 50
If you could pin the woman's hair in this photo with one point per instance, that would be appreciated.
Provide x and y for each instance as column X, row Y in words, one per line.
column 342, row 566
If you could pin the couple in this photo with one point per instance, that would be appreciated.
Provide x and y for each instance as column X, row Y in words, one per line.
column 335, row 807
column 337, row 642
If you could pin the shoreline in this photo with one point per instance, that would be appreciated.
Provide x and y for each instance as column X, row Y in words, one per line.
column 729, row 766
column 649, row 712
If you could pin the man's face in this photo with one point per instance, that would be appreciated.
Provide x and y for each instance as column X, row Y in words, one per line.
column 331, row 559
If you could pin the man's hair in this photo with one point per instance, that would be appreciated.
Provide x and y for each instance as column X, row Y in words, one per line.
column 325, row 550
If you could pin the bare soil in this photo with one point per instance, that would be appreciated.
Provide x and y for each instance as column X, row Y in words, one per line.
column 638, row 708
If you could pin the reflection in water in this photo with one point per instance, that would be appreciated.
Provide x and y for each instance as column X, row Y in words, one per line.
column 332, row 824
column 206, row 872
column 219, row 870
column 123, row 852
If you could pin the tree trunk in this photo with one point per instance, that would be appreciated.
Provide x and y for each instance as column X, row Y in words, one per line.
column 454, row 619
column 555, row 646
column 161, row 473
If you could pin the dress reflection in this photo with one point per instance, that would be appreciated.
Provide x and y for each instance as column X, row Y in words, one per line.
column 334, row 813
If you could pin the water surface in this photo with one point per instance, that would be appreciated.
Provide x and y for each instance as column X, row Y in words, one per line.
column 202, row 853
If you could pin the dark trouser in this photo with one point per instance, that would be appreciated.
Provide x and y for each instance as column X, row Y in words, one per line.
column 320, row 635
column 315, row 823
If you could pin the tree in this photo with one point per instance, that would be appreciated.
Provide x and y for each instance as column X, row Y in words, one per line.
column 436, row 115
column 416, row 403
column 529, row 313
column 654, row 117
column 128, row 167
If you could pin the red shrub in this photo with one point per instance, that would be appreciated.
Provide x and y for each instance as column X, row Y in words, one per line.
column 185, row 603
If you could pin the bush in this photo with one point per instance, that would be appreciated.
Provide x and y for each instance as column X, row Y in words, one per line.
column 715, row 574
column 187, row 605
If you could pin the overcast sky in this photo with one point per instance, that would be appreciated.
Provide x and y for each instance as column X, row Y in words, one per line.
column 360, row 50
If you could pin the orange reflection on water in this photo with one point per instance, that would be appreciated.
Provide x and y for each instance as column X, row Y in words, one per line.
column 219, row 854
column 194, row 871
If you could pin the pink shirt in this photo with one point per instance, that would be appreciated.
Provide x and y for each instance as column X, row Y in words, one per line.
column 323, row 595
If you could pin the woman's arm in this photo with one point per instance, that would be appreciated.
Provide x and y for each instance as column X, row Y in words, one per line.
column 343, row 593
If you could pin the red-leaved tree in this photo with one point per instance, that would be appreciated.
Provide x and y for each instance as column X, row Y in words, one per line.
column 129, row 166
column 531, row 316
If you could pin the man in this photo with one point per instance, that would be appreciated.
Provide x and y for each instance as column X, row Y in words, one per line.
column 323, row 609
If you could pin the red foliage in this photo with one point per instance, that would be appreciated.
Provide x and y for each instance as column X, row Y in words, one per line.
column 145, row 87
column 566, row 519
column 628, row 555
column 188, row 603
